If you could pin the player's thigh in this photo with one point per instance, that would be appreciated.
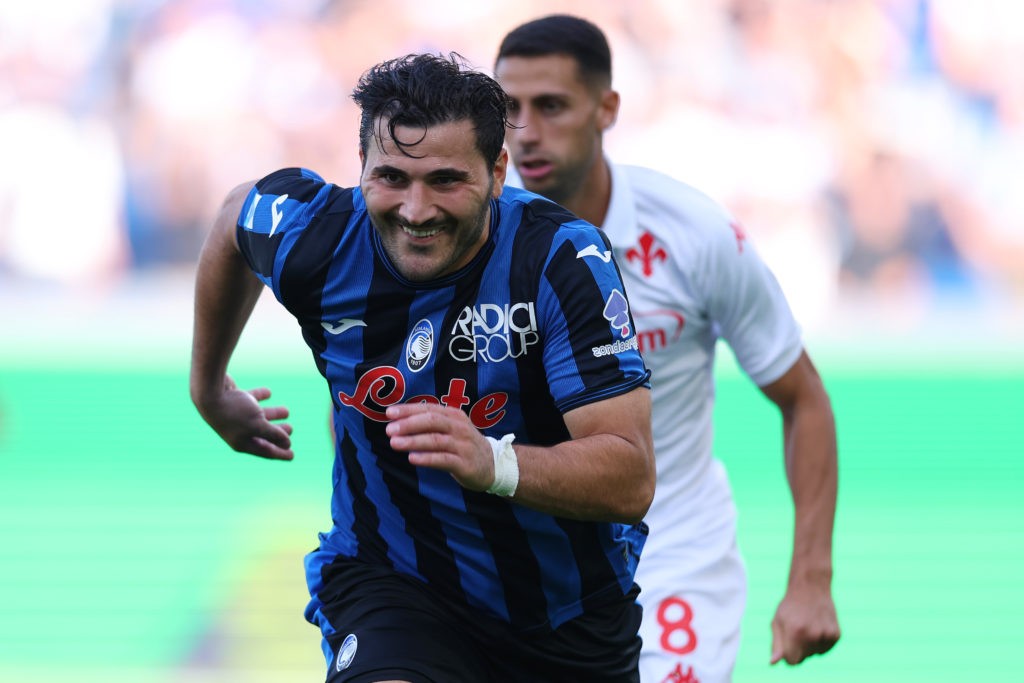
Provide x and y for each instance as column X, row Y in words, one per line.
column 691, row 622
column 380, row 626
column 600, row 646
column 394, row 644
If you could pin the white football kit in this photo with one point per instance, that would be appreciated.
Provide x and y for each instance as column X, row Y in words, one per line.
column 692, row 277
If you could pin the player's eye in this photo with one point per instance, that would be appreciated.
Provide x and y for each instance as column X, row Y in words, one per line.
column 551, row 106
column 392, row 178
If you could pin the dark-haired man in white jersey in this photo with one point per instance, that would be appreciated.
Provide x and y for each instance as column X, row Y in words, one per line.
column 692, row 277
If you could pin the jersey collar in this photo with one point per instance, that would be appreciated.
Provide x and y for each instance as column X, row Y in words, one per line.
column 620, row 224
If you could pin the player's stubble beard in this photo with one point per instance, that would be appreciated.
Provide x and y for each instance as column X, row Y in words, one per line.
column 565, row 181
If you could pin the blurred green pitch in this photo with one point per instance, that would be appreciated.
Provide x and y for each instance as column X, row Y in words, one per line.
column 135, row 546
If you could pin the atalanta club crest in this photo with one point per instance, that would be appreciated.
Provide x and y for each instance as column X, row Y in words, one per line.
column 420, row 345
column 347, row 652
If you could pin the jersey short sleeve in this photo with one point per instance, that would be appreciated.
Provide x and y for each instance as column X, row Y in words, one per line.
column 600, row 332
column 275, row 212
column 747, row 303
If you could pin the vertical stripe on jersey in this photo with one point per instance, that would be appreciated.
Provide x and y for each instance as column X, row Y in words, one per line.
column 529, row 251
column 304, row 276
column 503, row 547
column 361, row 517
column 573, row 284
column 572, row 278
column 259, row 251
column 311, row 261
column 388, row 320
column 590, row 552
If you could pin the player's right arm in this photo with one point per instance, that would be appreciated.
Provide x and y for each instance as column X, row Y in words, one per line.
column 755, row 319
column 225, row 295
column 805, row 621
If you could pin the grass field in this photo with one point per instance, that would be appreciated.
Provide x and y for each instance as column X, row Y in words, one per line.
column 134, row 546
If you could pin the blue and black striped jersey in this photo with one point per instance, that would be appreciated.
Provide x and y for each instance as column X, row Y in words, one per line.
column 536, row 325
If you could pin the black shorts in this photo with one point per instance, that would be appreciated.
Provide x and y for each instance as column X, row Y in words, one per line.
column 390, row 626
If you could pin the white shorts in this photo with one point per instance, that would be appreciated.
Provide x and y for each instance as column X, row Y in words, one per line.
column 693, row 595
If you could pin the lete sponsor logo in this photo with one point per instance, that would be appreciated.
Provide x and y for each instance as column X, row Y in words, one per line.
column 385, row 386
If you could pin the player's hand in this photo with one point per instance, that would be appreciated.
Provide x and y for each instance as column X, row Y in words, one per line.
column 444, row 439
column 245, row 425
column 805, row 624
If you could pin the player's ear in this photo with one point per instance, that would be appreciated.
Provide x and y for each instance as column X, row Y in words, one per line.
column 500, row 170
column 362, row 164
column 608, row 109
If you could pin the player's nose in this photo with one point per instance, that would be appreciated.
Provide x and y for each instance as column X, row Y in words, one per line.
column 417, row 206
column 525, row 130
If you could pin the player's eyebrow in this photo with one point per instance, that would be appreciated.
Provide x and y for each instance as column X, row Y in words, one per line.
column 551, row 97
column 456, row 173
column 387, row 169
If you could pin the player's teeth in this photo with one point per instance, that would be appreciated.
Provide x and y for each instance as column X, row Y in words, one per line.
column 421, row 233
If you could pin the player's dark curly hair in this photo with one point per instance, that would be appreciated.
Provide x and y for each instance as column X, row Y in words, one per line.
column 563, row 34
column 422, row 90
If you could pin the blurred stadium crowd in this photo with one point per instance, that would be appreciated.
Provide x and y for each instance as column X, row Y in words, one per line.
column 871, row 148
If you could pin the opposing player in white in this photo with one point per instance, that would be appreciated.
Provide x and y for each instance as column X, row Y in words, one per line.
column 692, row 277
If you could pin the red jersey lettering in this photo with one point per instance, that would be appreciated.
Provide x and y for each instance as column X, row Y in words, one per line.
column 385, row 386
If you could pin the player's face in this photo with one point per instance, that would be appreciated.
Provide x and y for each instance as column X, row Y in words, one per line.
column 556, row 123
column 432, row 209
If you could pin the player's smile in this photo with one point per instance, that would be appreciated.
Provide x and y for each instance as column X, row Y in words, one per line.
column 420, row 233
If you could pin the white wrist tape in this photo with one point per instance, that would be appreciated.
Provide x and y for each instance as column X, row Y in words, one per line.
column 506, row 466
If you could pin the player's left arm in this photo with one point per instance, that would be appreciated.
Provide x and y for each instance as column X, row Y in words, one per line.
column 605, row 472
column 805, row 622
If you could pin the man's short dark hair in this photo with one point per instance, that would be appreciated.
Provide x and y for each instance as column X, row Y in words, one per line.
column 424, row 90
column 563, row 34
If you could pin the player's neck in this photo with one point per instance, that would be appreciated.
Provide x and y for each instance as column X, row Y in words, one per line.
column 591, row 201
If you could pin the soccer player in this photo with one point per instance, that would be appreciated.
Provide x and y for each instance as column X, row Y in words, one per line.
column 692, row 277
column 493, row 455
